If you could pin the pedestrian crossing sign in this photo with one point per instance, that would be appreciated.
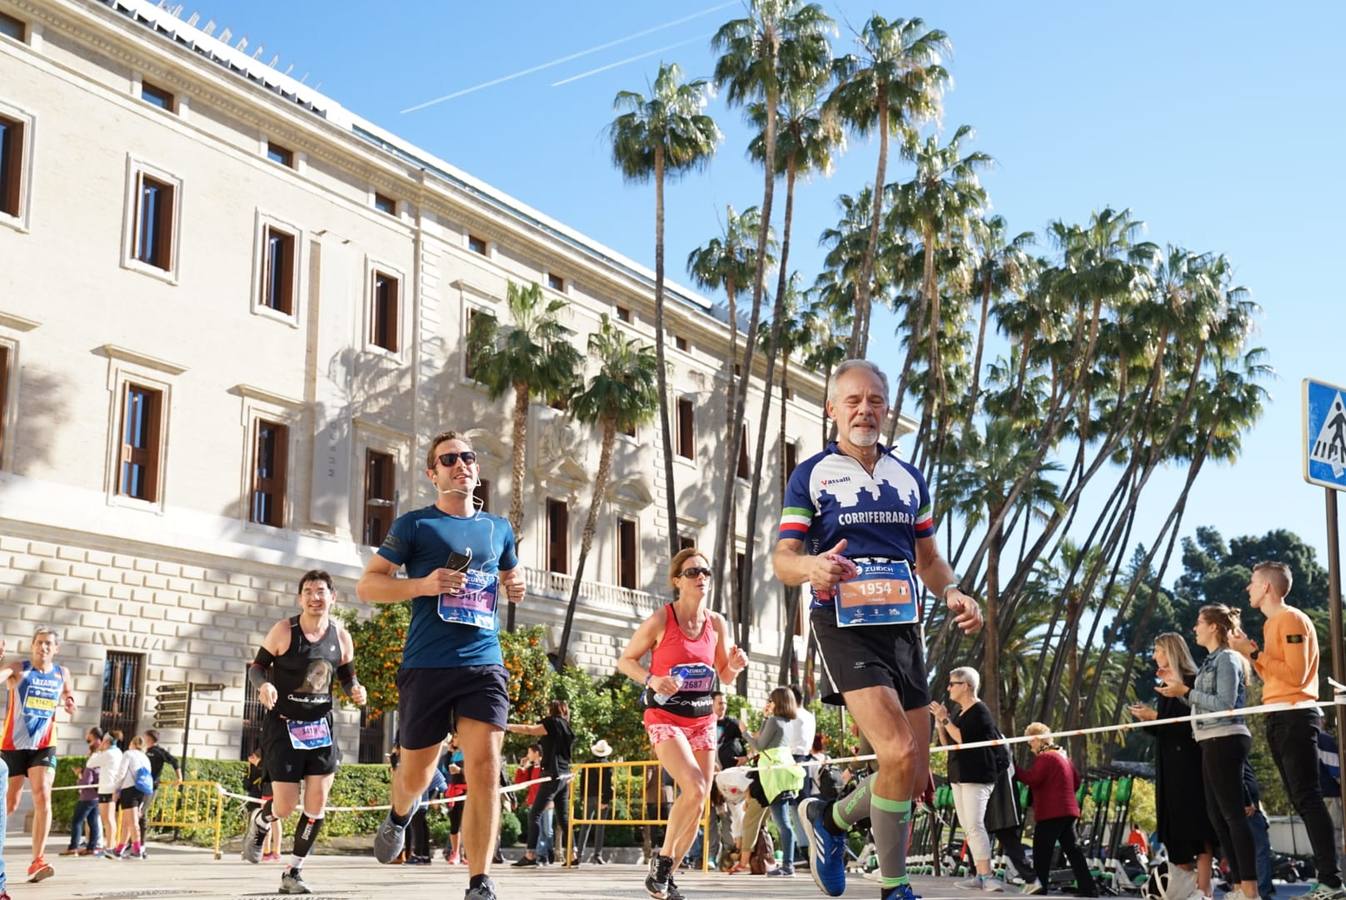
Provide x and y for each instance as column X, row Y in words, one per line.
column 1324, row 434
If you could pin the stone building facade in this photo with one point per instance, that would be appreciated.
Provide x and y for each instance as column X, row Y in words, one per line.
column 232, row 314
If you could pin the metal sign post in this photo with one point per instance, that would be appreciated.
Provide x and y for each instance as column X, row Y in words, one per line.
column 1324, row 413
column 173, row 709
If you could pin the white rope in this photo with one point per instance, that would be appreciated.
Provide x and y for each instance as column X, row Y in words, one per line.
column 443, row 801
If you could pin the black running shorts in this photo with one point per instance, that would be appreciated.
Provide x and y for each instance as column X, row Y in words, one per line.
column 20, row 761
column 130, row 798
column 867, row 655
column 431, row 701
column 286, row 764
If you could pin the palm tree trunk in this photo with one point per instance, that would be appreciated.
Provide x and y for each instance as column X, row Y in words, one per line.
column 517, row 468
column 864, row 286
column 666, row 433
column 990, row 664
column 981, row 343
column 722, row 536
column 590, row 526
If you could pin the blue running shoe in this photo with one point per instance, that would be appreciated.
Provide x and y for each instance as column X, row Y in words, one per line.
column 827, row 851
column 901, row 892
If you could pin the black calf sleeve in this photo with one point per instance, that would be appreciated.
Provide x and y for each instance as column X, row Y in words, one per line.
column 306, row 835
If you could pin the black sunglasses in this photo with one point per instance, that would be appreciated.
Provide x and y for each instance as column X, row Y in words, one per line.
column 451, row 459
column 694, row 571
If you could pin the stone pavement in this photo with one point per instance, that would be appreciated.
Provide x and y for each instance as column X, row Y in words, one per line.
column 191, row 874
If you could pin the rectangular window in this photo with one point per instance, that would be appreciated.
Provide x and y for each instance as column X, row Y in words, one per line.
column 156, row 96
column 476, row 244
column 11, row 166
column 384, row 203
column 743, row 469
column 628, row 554
column 741, row 573
column 379, row 499
column 558, row 536
column 253, row 714
column 470, row 364
column 686, row 542
column 383, row 325
column 278, row 267
column 278, row 154
column 556, row 282
column 269, row 461
column 791, row 458
column 686, row 442
column 154, row 222
column 623, row 314
column 482, row 493
column 11, row 27
column 138, row 460
column 371, row 736
column 680, row 342
column 121, row 693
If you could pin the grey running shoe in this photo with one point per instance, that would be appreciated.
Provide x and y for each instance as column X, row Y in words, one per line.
column 672, row 892
column 390, row 838
column 483, row 891
column 253, row 838
column 293, row 883
column 656, row 883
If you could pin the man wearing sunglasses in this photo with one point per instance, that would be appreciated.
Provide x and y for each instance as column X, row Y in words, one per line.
column 857, row 528
column 459, row 561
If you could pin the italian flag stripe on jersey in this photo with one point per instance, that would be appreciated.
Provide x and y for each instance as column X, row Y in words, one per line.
column 925, row 521
column 794, row 521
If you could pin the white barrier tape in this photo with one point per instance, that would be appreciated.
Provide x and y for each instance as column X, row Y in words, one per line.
column 444, row 801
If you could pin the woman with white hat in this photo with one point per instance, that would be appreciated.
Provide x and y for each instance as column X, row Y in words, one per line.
column 597, row 794
column 688, row 646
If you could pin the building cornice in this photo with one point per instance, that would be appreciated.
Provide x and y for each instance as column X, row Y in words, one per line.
column 17, row 323
column 135, row 357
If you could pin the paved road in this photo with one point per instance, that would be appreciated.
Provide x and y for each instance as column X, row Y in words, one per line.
column 172, row 872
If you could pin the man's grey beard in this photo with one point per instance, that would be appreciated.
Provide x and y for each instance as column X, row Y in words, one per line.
column 862, row 437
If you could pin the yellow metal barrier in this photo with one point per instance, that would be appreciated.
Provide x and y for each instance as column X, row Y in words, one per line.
column 639, row 785
column 189, row 804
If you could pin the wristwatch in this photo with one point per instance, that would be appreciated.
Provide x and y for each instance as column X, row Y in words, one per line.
column 944, row 594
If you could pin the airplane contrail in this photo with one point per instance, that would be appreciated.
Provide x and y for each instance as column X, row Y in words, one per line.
column 569, row 57
column 629, row 59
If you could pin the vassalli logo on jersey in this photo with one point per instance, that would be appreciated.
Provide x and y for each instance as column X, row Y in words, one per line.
column 828, row 482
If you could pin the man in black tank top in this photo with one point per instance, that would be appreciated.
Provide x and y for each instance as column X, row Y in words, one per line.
column 299, row 661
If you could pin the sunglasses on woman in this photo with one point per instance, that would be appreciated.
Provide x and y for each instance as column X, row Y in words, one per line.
column 695, row 571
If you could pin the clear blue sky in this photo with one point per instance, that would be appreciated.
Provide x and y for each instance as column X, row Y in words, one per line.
column 1219, row 124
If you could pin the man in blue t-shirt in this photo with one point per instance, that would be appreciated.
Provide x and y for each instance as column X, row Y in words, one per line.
column 459, row 561
column 857, row 527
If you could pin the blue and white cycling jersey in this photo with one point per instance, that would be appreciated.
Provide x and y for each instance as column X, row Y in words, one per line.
column 830, row 496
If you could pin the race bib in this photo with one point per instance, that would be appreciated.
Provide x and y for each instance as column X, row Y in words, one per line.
column 883, row 593
column 38, row 702
column 475, row 604
column 309, row 735
column 697, row 678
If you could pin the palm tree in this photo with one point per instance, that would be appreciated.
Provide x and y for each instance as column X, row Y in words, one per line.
column 894, row 82
column 780, row 43
column 620, row 396
column 729, row 262
column 666, row 134
column 1003, row 267
column 535, row 358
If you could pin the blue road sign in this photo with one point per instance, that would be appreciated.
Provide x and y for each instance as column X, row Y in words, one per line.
column 1324, row 434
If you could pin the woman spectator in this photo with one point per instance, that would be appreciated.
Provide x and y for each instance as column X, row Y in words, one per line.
column 776, row 784
column 107, row 761
column 1054, row 781
column 975, row 770
column 135, row 782
column 1221, row 684
column 86, row 807
column 1180, row 800
column 557, row 742
column 688, row 646
column 451, row 767
column 530, row 769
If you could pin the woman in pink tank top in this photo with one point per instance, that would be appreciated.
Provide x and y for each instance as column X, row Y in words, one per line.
column 689, row 647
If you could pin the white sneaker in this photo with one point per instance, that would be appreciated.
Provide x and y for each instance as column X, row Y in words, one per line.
column 1034, row 887
column 991, row 884
column 972, row 884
